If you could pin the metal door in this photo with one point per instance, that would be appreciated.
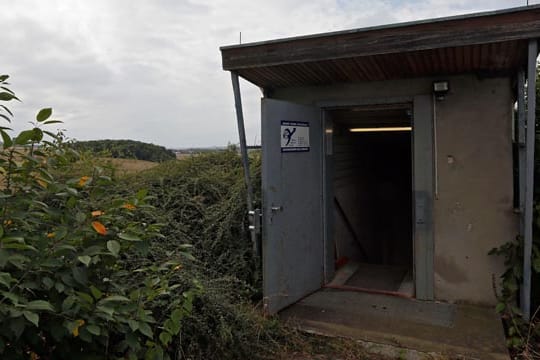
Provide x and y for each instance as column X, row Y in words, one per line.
column 292, row 248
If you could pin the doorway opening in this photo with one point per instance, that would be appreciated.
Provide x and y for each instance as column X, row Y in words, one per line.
column 372, row 206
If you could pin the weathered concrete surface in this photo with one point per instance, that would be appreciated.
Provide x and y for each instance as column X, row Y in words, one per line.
column 474, row 209
column 468, row 332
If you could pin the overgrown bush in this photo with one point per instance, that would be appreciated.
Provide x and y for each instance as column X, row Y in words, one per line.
column 203, row 201
column 522, row 336
column 75, row 279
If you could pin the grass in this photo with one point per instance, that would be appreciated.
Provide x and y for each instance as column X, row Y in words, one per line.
column 130, row 166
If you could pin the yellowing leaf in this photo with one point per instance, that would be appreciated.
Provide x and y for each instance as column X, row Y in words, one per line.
column 129, row 206
column 78, row 324
column 51, row 235
column 42, row 183
column 8, row 222
column 83, row 180
column 99, row 228
column 97, row 213
column 177, row 267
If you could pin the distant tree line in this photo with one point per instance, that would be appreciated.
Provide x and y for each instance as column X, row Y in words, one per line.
column 126, row 149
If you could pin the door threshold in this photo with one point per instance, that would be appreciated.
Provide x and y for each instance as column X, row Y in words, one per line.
column 369, row 291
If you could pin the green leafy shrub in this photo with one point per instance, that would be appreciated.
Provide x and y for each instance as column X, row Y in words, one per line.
column 75, row 281
column 520, row 333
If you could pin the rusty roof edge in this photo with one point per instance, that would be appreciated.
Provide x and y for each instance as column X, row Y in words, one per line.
column 386, row 26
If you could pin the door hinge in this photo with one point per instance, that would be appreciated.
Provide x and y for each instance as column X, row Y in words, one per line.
column 255, row 217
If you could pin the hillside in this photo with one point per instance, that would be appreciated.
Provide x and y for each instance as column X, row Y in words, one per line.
column 126, row 149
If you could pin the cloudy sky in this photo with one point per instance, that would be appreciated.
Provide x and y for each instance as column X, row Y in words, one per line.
column 151, row 70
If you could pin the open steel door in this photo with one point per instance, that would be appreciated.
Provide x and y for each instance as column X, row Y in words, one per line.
column 292, row 247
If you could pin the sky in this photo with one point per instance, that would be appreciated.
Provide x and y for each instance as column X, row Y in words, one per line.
column 150, row 70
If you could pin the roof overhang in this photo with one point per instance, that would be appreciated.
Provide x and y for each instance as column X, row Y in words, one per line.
column 489, row 43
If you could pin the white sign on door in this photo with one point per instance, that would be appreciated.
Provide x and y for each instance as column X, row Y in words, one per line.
column 294, row 136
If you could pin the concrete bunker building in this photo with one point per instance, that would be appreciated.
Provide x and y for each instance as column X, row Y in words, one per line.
column 388, row 156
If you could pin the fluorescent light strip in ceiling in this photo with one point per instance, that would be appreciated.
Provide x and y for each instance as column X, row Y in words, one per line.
column 380, row 129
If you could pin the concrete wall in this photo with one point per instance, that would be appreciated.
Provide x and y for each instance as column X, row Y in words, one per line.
column 473, row 212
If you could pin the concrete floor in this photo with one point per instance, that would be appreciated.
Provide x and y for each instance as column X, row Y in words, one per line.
column 457, row 331
column 374, row 277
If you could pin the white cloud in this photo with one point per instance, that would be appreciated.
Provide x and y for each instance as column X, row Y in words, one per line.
column 151, row 70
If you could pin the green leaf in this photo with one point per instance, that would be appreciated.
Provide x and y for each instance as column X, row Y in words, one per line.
column 85, row 297
column 165, row 338
column 94, row 329
column 177, row 315
column 145, row 329
column 5, row 96
column 500, row 307
column 96, row 293
column 44, row 114
column 172, row 326
column 48, row 282
column 39, row 305
column 113, row 246
column 106, row 310
column 80, row 275
column 17, row 246
column 32, row 317
column 10, row 239
column 15, row 299
column 134, row 325
column 4, row 77
column 6, row 279
column 141, row 194
column 115, row 298
column 59, row 287
column 6, row 139
column 85, row 259
column 38, row 134
column 129, row 237
column 24, row 137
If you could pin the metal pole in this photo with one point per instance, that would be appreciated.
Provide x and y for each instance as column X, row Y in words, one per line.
column 521, row 143
column 244, row 153
column 529, row 181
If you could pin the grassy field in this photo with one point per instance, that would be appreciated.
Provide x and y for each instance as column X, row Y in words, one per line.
column 130, row 166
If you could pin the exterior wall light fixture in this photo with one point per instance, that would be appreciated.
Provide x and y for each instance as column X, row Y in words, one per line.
column 440, row 89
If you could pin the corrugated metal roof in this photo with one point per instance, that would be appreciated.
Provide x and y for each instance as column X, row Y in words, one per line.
column 485, row 43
